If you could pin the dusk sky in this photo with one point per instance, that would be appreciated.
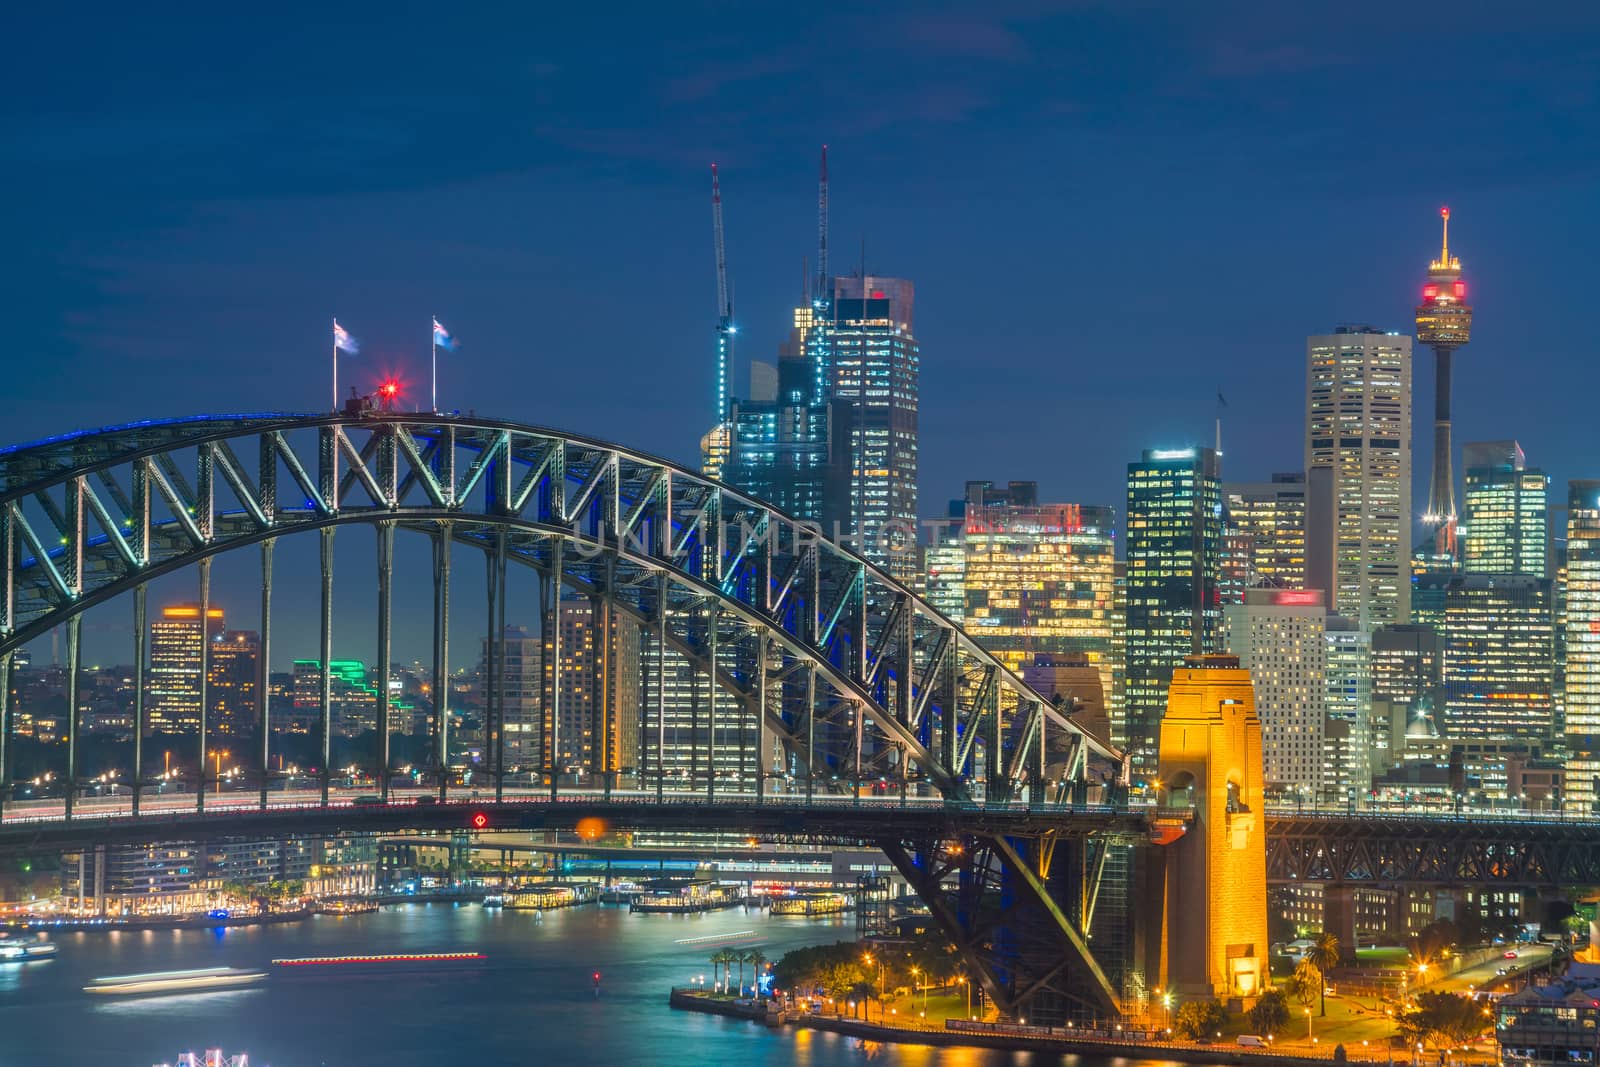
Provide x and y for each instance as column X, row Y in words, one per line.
column 1110, row 211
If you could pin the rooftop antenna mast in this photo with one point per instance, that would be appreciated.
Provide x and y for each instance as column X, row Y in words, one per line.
column 823, row 292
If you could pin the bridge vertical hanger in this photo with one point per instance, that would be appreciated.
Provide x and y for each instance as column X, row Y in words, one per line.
column 264, row 767
column 5, row 725
column 205, row 696
column 712, row 622
column 552, row 622
column 140, row 628
column 327, row 659
column 385, row 654
column 499, row 603
column 74, row 715
column 441, row 655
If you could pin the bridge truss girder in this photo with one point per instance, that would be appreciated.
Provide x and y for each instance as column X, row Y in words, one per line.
column 856, row 678
column 1394, row 850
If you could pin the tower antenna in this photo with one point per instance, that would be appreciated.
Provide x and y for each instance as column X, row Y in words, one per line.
column 822, row 228
column 725, row 326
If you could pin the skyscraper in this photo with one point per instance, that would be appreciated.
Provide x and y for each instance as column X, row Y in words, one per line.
column 175, row 640
column 233, row 682
column 1358, row 472
column 863, row 351
column 1444, row 323
column 1407, row 676
column 1499, row 646
column 1279, row 638
column 1582, row 695
column 792, row 452
column 1507, row 511
column 1174, row 535
column 593, row 723
column 945, row 564
column 1039, row 576
column 1273, row 514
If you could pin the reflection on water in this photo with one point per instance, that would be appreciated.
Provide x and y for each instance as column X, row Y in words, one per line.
column 530, row 1001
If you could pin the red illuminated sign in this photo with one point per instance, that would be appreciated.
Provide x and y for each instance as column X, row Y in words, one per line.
column 479, row 820
column 1290, row 597
column 1430, row 292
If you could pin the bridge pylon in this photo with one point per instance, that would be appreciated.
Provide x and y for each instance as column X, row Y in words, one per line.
column 1211, row 897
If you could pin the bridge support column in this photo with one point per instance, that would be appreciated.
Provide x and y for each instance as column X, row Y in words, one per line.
column 550, row 597
column 1339, row 918
column 712, row 619
column 1216, row 891
column 205, row 689
column 140, row 626
column 661, row 687
column 74, row 655
column 327, row 664
column 497, row 622
column 385, row 580
column 5, row 728
column 441, row 656
column 264, row 767
column 763, row 739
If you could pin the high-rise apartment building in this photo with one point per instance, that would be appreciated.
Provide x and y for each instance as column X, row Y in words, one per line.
column 1358, row 472
column 1499, row 645
column 1278, row 635
column 1507, row 511
column 173, row 703
column 1173, row 537
column 1039, row 576
column 353, row 701
column 1273, row 515
column 234, row 678
column 863, row 351
column 1582, row 692
column 593, row 721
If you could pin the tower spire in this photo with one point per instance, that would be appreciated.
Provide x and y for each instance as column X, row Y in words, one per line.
column 1444, row 249
column 822, row 292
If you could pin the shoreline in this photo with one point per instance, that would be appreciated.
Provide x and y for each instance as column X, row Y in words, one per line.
column 1183, row 1052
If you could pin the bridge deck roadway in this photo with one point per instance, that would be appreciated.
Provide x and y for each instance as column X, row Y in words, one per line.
column 838, row 821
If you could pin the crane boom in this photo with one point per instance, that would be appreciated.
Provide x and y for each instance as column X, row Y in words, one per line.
column 823, row 292
column 724, row 301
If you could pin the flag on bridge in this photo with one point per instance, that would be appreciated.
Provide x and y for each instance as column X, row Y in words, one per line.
column 443, row 337
column 343, row 341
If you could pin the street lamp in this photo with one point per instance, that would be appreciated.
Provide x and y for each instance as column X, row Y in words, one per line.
column 967, row 985
column 1308, row 1024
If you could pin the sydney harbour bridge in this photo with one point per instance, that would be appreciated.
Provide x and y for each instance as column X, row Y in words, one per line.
column 836, row 704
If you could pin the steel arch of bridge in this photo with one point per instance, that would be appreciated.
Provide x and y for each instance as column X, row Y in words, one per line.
column 893, row 690
column 828, row 664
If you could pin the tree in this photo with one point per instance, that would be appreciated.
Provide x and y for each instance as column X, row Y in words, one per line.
column 1200, row 1018
column 860, row 993
column 1305, row 984
column 1443, row 1019
column 1270, row 1014
column 1324, row 956
column 719, row 962
column 739, row 958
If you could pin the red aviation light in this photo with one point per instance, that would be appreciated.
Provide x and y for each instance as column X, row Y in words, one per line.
column 1430, row 292
column 479, row 820
column 389, row 389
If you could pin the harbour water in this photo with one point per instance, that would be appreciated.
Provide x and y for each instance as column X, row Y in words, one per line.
column 530, row 1000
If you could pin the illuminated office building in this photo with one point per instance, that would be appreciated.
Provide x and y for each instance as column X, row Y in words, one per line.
column 1174, row 536
column 863, row 352
column 173, row 701
column 1278, row 635
column 353, row 702
column 1499, row 647
column 1407, row 683
column 945, row 566
column 521, row 695
column 1582, row 692
column 1358, row 472
column 233, row 683
column 1347, row 735
column 1038, row 576
column 1273, row 515
column 1507, row 511
column 793, row 452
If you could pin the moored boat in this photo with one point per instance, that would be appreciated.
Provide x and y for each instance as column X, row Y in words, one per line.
column 16, row 950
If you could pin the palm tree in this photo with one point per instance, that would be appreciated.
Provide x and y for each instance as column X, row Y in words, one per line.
column 1324, row 956
column 739, row 958
column 719, row 961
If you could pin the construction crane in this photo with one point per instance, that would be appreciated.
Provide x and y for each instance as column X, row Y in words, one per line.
column 716, row 445
column 822, row 292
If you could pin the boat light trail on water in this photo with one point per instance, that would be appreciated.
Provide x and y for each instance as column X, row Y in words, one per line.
column 394, row 957
column 735, row 936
